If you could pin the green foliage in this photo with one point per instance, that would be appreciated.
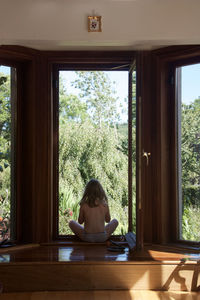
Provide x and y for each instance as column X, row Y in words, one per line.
column 190, row 147
column 191, row 223
column 86, row 152
column 5, row 141
column 68, row 209
column 191, row 195
column 190, row 144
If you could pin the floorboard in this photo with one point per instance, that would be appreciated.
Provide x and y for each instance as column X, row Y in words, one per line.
column 103, row 295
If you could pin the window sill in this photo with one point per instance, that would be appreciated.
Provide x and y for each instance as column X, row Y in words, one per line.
column 18, row 247
column 178, row 247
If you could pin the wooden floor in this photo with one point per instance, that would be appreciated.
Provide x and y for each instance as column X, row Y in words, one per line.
column 103, row 295
column 92, row 267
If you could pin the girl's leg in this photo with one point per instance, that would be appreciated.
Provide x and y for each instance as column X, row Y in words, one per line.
column 110, row 227
column 76, row 228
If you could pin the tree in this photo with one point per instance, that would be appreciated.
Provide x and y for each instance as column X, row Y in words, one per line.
column 86, row 152
column 5, row 121
column 190, row 156
column 97, row 93
column 5, row 112
column 5, row 142
column 190, row 149
column 70, row 106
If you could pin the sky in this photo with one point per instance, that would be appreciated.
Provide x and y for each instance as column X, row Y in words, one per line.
column 5, row 70
column 190, row 83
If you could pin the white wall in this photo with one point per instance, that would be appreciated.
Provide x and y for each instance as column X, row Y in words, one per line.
column 127, row 24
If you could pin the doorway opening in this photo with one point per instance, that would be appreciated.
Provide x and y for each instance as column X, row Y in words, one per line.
column 96, row 124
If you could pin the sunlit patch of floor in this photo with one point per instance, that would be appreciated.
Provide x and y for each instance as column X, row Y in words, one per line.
column 102, row 295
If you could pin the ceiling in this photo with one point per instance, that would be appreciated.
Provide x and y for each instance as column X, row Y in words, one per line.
column 126, row 24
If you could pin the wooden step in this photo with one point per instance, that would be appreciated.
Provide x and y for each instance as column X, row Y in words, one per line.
column 103, row 295
column 93, row 267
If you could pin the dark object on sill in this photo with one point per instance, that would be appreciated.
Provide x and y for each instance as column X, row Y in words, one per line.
column 116, row 249
column 6, row 243
column 131, row 239
column 117, row 244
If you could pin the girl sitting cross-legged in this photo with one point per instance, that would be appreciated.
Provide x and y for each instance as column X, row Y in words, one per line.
column 94, row 212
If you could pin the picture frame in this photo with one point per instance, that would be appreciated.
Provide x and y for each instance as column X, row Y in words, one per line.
column 94, row 24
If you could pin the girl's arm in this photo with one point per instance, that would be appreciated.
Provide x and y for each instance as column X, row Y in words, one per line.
column 107, row 216
column 81, row 215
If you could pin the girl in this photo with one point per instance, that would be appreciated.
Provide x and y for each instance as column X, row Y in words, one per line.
column 94, row 212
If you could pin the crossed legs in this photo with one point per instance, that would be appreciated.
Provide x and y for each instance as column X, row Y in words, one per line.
column 79, row 230
column 110, row 227
column 76, row 228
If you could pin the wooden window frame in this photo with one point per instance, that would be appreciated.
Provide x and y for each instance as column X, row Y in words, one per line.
column 157, row 217
column 25, row 214
column 109, row 65
column 179, row 63
column 165, row 62
column 8, row 61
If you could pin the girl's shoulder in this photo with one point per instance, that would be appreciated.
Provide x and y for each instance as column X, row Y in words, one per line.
column 104, row 205
column 101, row 203
column 83, row 205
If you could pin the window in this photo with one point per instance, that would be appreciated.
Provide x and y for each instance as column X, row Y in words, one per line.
column 170, row 130
column 7, row 151
column 92, row 142
column 188, row 117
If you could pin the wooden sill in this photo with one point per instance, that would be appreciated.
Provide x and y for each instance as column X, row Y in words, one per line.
column 18, row 247
column 178, row 247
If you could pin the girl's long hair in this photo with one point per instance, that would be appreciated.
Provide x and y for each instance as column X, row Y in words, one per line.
column 94, row 194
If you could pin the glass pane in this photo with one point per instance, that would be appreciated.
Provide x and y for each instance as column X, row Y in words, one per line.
column 189, row 151
column 93, row 141
column 7, row 94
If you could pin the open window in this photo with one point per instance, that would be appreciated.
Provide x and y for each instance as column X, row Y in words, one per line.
column 8, row 94
column 94, row 137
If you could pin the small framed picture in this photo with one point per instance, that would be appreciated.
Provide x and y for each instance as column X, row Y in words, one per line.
column 94, row 24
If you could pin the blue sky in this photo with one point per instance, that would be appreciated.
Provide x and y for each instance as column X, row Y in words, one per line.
column 5, row 70
column 190, row 83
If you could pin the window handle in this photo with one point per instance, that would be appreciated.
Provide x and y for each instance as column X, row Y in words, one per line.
column 146, row 155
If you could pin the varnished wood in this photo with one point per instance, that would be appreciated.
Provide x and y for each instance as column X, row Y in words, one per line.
column 93, row 267
column 18, row 248
column 164, row 142
column 82, row 252
column 79, row 276
column 103, row 295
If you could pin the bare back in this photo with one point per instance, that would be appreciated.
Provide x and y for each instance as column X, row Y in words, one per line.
column 94, row 218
